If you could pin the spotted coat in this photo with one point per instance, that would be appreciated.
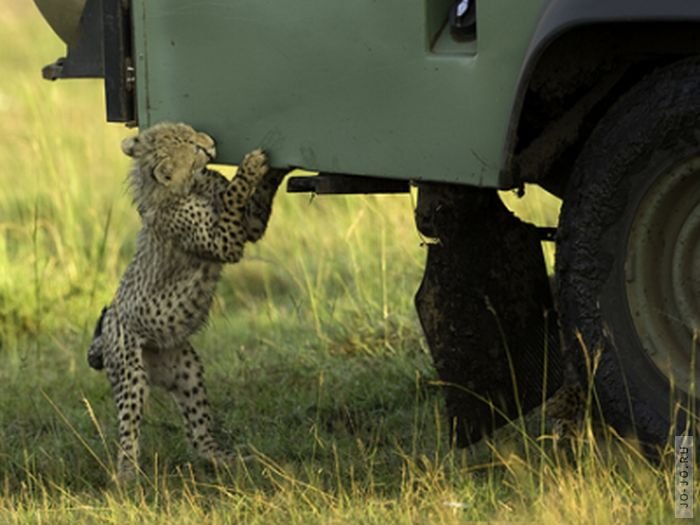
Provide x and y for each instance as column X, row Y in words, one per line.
column 194, row 221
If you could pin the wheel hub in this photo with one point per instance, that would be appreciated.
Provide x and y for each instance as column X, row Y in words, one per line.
column 662, row 274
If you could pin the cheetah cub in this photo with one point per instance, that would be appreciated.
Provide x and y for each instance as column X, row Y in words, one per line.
column 194, row 220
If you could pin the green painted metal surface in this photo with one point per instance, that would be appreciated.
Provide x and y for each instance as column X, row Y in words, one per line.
column 364, row 87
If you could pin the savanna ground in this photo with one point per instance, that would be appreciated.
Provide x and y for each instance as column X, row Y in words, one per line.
column 314, row 357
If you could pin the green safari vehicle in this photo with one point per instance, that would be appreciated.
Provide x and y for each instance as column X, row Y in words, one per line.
column 597, row 101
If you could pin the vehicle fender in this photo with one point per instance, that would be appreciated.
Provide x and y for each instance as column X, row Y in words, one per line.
column 561, row 16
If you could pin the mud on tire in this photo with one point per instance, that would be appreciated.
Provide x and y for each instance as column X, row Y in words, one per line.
column 646, row 135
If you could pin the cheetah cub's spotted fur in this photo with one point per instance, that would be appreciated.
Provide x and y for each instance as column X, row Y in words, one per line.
column 194, row 221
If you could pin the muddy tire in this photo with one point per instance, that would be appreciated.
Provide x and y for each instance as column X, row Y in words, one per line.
column 628, row 256
column 485, row 305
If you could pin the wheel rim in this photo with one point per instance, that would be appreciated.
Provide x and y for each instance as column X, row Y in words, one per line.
column 662, row 274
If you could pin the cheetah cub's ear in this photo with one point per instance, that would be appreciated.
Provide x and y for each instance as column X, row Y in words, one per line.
column 165, row 171
column 129, row 144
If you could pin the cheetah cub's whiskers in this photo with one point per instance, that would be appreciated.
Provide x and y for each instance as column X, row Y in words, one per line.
column 193, row 221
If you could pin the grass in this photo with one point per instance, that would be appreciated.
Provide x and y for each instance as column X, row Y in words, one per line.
column 314, row 357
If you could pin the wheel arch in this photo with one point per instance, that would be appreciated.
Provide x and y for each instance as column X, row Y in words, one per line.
column 578, row 47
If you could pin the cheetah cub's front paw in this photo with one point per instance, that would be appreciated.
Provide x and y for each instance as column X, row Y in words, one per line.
column 254, row 167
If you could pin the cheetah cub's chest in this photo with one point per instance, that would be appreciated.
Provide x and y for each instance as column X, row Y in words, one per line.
column 172, row 301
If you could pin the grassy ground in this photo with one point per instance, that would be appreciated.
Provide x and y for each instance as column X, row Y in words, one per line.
column 314, row 357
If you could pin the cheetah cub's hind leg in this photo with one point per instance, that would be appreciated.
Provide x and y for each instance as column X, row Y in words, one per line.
column 180, row 372
column 126, row 373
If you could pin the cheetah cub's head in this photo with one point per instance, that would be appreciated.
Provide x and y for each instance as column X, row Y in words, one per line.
column 167, row 157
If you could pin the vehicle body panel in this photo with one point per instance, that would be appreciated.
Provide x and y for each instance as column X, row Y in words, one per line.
column 359, row 88
column 340, row 87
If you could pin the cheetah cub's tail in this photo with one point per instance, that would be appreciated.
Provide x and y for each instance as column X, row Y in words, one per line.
column 95, row 357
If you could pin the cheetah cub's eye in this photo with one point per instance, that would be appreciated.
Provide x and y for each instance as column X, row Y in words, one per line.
column 206, row 145
column 209, row 152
